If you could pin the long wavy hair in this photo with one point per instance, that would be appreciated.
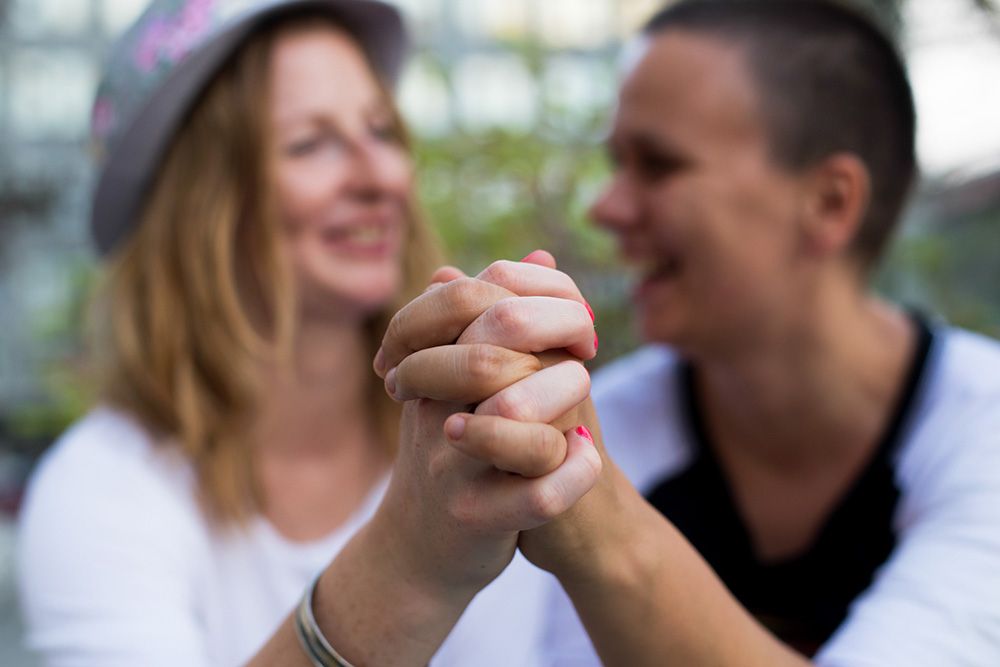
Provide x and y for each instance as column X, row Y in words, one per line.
column 200, row 299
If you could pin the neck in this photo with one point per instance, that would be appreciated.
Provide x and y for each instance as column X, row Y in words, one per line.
column 317, row 442
column 323, row 394
column 831, row 379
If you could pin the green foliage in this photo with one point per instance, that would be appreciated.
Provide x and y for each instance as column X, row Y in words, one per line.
column 951, row 271
column 500, row 193
column 66, row 392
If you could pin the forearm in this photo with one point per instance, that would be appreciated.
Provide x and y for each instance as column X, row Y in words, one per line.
column 375, row 608
column 647, row 597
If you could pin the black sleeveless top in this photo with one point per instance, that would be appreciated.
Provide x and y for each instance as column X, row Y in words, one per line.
column 802, row 600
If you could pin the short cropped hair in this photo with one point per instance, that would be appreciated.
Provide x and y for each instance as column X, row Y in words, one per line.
column 829, row 82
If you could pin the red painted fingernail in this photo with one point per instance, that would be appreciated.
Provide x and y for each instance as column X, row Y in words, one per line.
column 590, row 311
column 530, row 255
column 583, row 432
column 595, row 341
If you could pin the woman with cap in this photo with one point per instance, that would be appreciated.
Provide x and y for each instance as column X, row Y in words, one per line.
column 255, row 209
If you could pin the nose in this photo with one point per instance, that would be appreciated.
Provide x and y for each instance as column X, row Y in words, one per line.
column 617, row 206
column 378, row 168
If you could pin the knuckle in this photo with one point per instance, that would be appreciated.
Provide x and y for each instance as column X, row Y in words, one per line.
column 510, row 317
column 545, row 446
column 546, row 503
column 483, row 362
column 465, row 294
column 513, row 404
column 465, row 510
column 437, row 466
column 502, row 272
column 530, row 364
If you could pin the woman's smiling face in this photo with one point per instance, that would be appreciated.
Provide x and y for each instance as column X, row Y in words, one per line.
column 343, row 176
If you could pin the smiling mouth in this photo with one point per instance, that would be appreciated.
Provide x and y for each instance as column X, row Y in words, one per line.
column 358, row 235
column 656, row 270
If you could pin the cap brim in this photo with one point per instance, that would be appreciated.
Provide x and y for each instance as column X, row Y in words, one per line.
column 124, row 180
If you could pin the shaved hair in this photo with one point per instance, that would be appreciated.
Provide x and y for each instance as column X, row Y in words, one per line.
column 828, row 81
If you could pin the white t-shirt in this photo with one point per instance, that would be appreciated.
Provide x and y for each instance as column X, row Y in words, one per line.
column 936, row 601
column 119, row 568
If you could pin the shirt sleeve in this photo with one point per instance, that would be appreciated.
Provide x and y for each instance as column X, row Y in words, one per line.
column 108, row 558
column 937, row 600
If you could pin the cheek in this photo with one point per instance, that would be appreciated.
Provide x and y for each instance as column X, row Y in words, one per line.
column 303, row 192
column 397, row 170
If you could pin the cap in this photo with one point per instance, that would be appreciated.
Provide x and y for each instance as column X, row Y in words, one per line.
column 161, row 65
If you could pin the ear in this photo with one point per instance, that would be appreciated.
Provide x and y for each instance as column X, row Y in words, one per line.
column 837, row 194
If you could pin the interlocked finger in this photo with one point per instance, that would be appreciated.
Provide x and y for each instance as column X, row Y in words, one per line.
column 459, row 373
column 443, row 312
column 514, row 502
column 528, row 449
column 542, row 396
column 530, row 279
column 436, row 317
column 535, row 324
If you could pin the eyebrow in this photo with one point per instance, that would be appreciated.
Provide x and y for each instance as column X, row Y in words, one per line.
column 319, row 118
column 657, row 142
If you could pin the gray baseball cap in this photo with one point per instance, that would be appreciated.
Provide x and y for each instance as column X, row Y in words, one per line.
column 160, row 67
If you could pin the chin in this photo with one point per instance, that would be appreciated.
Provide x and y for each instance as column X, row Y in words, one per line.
column 655, row 327
column 359, row 299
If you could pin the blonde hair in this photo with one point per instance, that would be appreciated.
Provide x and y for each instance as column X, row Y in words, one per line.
column 200, row 298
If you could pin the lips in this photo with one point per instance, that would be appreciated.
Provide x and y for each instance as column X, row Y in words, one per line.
column 362, row 234
column 651, row 269
column 373, row 237
column 650, row 272
column 663, row 270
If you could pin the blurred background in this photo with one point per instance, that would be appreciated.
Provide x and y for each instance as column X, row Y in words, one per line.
column 508, row 100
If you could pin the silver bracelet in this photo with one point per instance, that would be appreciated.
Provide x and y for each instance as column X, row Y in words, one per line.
column 313, row 642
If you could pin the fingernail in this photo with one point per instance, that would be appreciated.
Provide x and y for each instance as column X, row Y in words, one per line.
column 454, row 427
column 590, row 311
column 595, row 341
column 379, row 362
column 530, row 255
column 583, row 432
column 390, row 382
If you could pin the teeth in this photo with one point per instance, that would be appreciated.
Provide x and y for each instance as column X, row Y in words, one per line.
column 651, row 269
column 365, row 234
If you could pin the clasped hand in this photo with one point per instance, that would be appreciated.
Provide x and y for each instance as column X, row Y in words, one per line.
column 490, row 369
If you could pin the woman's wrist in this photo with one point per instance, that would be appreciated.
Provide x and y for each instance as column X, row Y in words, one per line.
column 438, row 561
column 375, row 605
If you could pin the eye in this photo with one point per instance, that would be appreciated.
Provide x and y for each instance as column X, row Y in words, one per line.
column 385, row 130
column 315, row 143
column 654, row 166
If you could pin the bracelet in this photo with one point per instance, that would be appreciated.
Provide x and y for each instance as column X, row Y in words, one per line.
column 313, row 642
